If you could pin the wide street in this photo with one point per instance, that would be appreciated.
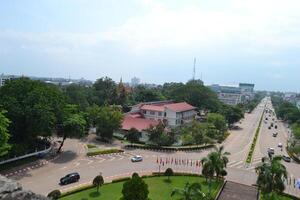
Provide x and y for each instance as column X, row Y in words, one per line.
column 45, row 178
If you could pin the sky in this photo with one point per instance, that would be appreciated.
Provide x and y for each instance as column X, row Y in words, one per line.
column 253, row 41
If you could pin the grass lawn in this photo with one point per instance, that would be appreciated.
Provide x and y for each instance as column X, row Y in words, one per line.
column 280, row 197
column 159, row 189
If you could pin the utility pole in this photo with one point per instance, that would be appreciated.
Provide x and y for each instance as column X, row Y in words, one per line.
column 194, row 71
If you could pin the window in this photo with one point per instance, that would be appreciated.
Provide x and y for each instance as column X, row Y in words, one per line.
column 144, row 111
column 159, row 113
column 165, row 114
column 152, row 113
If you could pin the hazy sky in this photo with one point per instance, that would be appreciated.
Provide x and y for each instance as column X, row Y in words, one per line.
column 256, row 41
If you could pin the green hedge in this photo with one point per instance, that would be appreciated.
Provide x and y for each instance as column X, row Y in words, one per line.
column 105, row 151
column 251, row 151
column 90, row 146
column 157, row 148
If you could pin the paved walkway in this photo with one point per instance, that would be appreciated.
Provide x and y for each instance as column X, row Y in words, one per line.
column 237, row 191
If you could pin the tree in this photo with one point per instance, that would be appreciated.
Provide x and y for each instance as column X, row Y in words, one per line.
column 135, row 188
column 133, row 135
column 215, row 163
column 271, row 175
column 4, row 135
column 218, row 121
column 169, row 172
column 190, row 192
column 34, row 109
column 105, row 91
column 73, row 125
column 77, row 94
column 143, row 94
column 158, row 136
column 109, row 119
column 195, row 94
column 92, row 113
column 98, row 182
column 55, row 194
column 232, row 114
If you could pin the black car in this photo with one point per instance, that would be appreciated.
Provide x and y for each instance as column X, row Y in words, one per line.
column 286, row 158
column 70, row 178
column 275, row 126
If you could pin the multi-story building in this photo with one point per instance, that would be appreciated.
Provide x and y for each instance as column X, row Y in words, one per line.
column 233, row 95
column 4, row 78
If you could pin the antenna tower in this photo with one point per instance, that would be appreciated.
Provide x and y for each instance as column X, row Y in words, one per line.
column 194, row 70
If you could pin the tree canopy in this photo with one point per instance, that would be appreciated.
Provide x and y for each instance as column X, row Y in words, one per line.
column 135, row 188
column 4, row 136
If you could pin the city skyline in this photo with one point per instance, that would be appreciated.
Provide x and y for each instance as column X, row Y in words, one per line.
column 233, row 41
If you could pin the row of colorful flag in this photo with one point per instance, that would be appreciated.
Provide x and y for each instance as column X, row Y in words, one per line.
column 178, row 161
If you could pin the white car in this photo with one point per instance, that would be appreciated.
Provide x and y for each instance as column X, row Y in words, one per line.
column 136, row 158
column 280, row 145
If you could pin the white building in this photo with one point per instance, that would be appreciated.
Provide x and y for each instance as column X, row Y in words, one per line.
column 172, row 114
column 4, row 78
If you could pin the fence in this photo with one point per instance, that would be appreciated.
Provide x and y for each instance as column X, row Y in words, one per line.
column 27, row 155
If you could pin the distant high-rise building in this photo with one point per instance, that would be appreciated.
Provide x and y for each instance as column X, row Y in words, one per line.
column 4, row 78
column 135, row 81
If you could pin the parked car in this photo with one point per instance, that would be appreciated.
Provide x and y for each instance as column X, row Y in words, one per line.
column 269, row 127
column 275, row 126
column 286, row 158
column 70, row 178
column 280, row 145
column 271, row 151
column 136, row 158
column 275, row 134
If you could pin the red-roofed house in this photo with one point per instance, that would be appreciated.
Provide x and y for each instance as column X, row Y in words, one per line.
column 172, row 114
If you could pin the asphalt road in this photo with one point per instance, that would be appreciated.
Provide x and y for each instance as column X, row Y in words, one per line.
column 45, row 178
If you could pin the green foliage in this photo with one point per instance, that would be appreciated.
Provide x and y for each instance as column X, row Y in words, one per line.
column 98, row 181
column 91, row 146
column 77, row 94
column 193, row 93
column 169, row 172
column 105, row 91
column 108, row 120
column 34, row 108
column 55, row 194
column 218, row 121
column 232, row 113
column 215, row 163
column 105, row 151
column 197, row 133
column 251, row 151
column 133, row 135
column 4, row 135
column 92, row 113
column 73, row 125
column 135, row 188
column 271, row 175
column 190, row 192
column 158, row 136
column 143, row 94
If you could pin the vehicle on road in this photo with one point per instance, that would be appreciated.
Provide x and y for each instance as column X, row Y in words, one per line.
column 286, row 158
column 275, row 134
column 70, row 178
column 136, row 158
column 271, row 150
column 269, row 127
column 280, row 145
column 275, row 126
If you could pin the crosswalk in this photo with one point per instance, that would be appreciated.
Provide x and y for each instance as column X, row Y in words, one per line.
column 241, row 164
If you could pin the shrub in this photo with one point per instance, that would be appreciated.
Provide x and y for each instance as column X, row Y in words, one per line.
column 90, row 146
column 55, row 194
column 106, row 151
column 169, row 172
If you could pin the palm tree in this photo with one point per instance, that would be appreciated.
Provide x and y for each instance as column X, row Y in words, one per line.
column 190, row 192
column 214, row 163
column 271, row 175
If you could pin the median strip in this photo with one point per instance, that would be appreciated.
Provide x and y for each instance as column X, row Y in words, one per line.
column 252, row 148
